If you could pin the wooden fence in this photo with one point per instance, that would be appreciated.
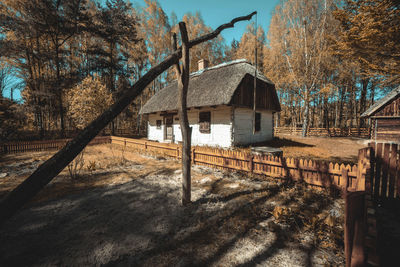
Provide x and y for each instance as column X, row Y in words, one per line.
column 317, row 173
column 331, row 132
column 356, row 215
column 28, row 146
column 385, row 184
column 354, row 180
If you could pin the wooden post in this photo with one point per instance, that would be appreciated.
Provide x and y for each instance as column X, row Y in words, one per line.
column 193, row 155
column 385, row 169
column 354, row 230
column 378, row 168
column 145, row 146
column 251, row 163
column 182, row 73
column 345, row 180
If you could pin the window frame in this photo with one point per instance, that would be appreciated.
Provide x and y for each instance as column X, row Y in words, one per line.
column 158, row 124
column 205, row 122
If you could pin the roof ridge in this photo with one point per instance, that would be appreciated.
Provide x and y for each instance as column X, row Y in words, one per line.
column 224, row 64
column 381, row 102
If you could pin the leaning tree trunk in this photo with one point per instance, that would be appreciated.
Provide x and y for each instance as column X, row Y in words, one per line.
column 53, row 166
column 182, row 74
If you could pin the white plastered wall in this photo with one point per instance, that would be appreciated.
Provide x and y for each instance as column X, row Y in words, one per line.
column 243, row 127
column 220, row 134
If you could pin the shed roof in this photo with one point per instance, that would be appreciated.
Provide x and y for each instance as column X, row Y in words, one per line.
column 381, row 103
column 209, row 87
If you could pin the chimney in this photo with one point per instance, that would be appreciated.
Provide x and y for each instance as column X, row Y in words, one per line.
column 203, row 64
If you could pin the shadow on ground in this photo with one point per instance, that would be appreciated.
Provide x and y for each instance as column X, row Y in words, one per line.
column 279, row 142
column 142, row 223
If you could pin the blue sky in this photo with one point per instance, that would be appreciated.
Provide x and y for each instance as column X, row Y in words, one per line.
column 217, row 12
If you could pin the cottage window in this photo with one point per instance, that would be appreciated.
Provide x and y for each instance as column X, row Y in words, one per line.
column 205, row 122
column 158, row 124
column 257, row 121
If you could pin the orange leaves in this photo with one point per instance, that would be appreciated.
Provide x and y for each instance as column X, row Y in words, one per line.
column 87, row 100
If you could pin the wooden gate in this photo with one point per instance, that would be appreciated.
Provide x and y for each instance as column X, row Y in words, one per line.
column 385, row 170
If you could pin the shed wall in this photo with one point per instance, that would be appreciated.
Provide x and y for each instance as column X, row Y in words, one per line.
column 387, row 129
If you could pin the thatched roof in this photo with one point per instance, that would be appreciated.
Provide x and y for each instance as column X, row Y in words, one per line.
column 209, row 87
column 381, row 103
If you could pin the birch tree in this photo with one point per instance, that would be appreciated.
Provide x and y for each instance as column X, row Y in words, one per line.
column 299, row 40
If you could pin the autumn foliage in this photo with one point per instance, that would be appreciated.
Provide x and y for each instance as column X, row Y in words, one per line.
column 87, row 100
column 330, row 60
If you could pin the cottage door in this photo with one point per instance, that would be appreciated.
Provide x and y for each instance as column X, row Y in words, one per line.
column 168, row 127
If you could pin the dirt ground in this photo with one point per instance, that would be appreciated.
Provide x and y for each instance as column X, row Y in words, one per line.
column 335, row 149
column 124, row 210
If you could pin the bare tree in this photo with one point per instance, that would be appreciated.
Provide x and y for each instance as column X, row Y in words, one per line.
column 53, row 166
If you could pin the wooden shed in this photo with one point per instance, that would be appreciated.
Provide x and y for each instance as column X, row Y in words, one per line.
column 220, row 103
column 385, row 117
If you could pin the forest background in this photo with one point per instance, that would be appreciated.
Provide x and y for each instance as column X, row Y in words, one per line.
column 69, row 60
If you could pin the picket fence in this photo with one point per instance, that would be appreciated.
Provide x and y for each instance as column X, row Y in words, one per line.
column 385, row 184
column 318, row 173
column 354, row 180
column 331, row 132
column 31, row 146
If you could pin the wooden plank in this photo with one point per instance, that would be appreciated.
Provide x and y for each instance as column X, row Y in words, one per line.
column 378, row 170
column 392, row 170
column 397, row 183
column 385, row 169
column 373, row 163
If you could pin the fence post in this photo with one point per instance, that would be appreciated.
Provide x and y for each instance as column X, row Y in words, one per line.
column 193, row 155
column 345, row 180
column 177, row 152
column 145, row 145
column 251, row 163
column 354, row 228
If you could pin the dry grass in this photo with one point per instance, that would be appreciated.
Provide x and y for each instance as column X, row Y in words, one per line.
column 104, row 165
column 335, row 149
column 124, row 210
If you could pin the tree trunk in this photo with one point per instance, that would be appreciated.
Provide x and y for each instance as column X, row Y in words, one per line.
column 53, row 166
column 60, row 92
column 182, row 74
column 342, row 96
column 363, row 100
column 305, row 115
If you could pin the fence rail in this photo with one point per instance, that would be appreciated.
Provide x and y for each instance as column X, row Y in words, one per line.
column 317, row 173
column 28, row 146
column 331, row 132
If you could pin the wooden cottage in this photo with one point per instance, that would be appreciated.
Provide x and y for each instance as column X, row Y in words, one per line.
column 220, row 103
column 385, row 117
